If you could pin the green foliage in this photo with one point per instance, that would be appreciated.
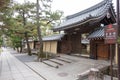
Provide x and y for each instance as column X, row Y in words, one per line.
column 1, row 41
column 16, row 40
column 12, row 18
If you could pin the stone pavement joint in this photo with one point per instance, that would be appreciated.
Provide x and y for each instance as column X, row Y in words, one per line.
column 13, row 69
column 55, row 62
column 30, row 70
column 36, row 72
column 51, row 64
column 61, row 59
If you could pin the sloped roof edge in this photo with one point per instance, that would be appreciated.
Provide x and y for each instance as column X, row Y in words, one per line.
column 55, row 37
column 99, row 33
column 94, row 12
column 88, row 9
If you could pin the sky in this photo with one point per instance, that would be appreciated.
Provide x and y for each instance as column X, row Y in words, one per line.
column 71, row 6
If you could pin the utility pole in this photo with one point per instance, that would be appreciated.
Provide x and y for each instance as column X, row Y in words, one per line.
column 118, row 25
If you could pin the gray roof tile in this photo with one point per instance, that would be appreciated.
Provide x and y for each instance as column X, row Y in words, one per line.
column 97, row 34
column 53, row 37
column 85, row 41
column 96, row 11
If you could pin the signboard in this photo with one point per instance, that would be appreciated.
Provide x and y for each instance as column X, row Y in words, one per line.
column 110, row 34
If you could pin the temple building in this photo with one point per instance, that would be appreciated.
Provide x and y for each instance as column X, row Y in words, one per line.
column 91, row 22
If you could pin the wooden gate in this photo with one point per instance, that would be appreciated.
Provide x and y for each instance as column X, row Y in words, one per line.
column 103, row 51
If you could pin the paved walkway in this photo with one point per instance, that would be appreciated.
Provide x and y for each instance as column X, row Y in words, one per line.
column 13, row 69
column 14, row 66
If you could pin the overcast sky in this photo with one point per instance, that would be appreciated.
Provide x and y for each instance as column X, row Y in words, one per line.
column 71, row 6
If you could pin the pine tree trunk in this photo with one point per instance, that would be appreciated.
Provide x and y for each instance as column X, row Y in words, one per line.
column 20, row 47
column 26, row 35
column 39, row 34
column 28, row 46
column 17, row 50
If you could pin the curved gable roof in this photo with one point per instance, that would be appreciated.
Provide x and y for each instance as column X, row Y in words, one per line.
column 97, row 11
column 93, row 8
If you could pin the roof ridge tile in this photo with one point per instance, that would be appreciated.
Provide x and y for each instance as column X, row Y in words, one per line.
column 88, row 9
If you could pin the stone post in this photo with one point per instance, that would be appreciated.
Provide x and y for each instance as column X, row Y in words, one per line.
column 95, row 74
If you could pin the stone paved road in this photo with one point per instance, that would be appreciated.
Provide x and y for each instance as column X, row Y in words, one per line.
column 13, row 69
column 15, row 66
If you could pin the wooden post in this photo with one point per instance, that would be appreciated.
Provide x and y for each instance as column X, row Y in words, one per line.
column 116, row 53
column 118, row 26
column 111, row 61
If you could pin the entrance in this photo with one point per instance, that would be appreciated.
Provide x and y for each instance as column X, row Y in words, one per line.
column 103, row 51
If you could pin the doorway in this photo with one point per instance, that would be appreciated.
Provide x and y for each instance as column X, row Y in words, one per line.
column 102, row 51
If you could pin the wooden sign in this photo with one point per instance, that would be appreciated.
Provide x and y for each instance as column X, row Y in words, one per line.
column 110, row 34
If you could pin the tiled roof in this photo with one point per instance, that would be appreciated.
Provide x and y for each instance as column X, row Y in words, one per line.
column 53, row 37
column 97, row 34
column 85, row 41
column 94, row 12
